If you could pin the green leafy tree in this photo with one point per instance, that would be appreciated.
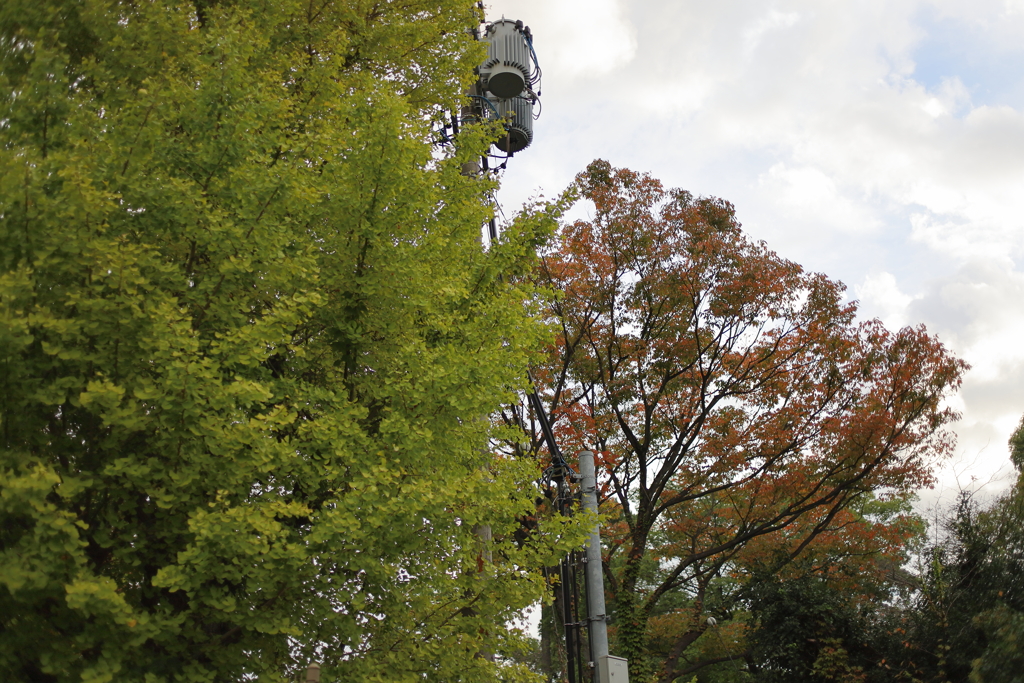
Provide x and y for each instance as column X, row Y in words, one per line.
column 807, row 632
column 248, row 342
column 1002, row 660
column 966, row 621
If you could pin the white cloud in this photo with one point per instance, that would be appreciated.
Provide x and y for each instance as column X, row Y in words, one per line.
column 809, row 194
column 880, row 297
column 774, row 20
column 956, row 236
column 978, row 311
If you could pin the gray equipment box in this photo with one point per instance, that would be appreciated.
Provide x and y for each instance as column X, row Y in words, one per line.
column 612, row 669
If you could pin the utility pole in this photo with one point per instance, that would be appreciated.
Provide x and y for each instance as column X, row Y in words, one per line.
column 607, row 669
column 596, row 616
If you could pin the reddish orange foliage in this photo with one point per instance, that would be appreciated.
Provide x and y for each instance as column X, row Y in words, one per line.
column 739, row 410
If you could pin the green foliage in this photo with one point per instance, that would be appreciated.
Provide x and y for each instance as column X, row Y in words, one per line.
column 1017, row 446
column 807, row 631
column 1003, row 659
column 249, row 342
column 1002, row 620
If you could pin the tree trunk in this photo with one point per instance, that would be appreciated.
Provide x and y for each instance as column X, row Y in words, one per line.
column 631, row 616
column 547, row 628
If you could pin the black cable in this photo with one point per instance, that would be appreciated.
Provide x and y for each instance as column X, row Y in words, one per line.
column 574, row 560
column 568, row 620
column 545, row 426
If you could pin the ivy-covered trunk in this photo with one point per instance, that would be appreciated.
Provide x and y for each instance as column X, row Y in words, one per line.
column 631, row 615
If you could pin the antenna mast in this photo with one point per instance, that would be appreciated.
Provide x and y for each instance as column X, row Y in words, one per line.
column 507, row 90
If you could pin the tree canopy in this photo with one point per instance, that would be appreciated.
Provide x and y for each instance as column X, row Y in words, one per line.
column 742, row 417
column 249, row 341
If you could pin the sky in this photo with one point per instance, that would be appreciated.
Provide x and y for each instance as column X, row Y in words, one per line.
column 880, row 142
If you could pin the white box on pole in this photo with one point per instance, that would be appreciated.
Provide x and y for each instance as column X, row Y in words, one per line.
column 613, row 669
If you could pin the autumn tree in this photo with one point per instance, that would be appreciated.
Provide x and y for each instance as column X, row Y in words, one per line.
column 249, row 342
column 742, row 416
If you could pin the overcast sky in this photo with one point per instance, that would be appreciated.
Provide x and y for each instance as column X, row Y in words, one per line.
column 879, row 141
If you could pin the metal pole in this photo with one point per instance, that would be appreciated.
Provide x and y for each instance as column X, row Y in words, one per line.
column 596, row 615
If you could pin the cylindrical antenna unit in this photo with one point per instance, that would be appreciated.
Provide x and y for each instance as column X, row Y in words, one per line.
column 518, row 116
column 507, row 69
